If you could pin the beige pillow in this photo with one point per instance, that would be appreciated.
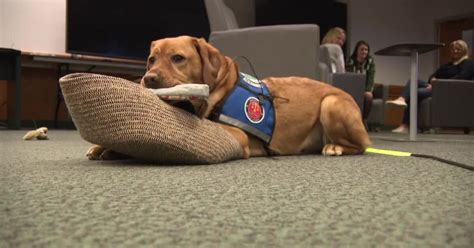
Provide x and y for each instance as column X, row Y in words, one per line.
column 123, row 116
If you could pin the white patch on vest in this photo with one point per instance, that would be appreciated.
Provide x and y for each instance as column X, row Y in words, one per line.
column 250, row 80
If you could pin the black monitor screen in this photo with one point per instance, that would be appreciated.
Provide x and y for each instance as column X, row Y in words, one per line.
column 125, row 28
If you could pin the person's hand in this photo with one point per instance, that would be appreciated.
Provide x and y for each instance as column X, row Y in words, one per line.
column 369, row 94
column 429, row 87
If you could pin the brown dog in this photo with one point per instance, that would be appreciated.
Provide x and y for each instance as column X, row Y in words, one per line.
column 311, row 116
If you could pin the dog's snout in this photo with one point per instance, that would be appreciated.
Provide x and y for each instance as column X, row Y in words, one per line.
column 150, row 80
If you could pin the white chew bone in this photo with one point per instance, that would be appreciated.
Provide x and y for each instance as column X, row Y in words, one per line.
column 183, row 91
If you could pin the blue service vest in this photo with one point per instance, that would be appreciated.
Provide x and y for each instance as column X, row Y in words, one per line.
column 250, row 107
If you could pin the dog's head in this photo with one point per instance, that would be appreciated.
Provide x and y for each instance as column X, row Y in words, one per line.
column 186, row 59
column 182, row 60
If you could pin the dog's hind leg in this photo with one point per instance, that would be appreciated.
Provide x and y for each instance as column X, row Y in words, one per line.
column 342, row 126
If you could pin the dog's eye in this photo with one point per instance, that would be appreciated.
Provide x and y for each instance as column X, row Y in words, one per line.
column 177, row 58
column 151, row 60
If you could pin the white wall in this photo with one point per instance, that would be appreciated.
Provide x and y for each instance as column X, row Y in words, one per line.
column 387, row 22
column 33, row 25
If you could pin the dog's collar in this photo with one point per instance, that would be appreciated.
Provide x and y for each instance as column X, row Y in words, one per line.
column 249, row 106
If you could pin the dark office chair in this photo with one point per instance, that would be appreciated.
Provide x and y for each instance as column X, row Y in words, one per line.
column 450, row 105
column 376, row 117
column 352, row 83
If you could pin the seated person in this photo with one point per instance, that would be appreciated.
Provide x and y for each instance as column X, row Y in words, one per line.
column 361, row 62
column 333, row 41
column 335, row 35
column 460, row 67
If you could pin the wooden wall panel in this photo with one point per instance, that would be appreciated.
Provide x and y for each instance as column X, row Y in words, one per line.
column 39, row 93
column 3, row 100
column 450, row 31
column 393, row 116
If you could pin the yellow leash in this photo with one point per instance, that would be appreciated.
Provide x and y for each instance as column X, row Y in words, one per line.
column 387, row 152
column 408, row 154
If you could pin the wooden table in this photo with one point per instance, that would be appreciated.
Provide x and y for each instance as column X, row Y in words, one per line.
column 412, row 50
column 12, row 61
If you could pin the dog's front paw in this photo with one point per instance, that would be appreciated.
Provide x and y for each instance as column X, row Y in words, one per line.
column 95, row 152
column 332, row 150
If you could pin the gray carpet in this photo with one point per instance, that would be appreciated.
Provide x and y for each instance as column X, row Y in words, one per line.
column 52, row 196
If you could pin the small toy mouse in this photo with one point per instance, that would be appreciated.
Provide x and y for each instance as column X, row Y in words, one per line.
column 40, row 133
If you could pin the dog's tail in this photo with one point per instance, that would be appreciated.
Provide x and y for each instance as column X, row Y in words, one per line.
column 355, row 128
column 356, row 140
column 342, row 121
column 358, row 134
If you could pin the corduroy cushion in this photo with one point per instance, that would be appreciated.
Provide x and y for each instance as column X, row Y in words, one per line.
column 123, row 116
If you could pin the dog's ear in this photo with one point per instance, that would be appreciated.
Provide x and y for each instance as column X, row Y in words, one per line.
column 211, row 60
column 151, row 51
column 151, row 46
